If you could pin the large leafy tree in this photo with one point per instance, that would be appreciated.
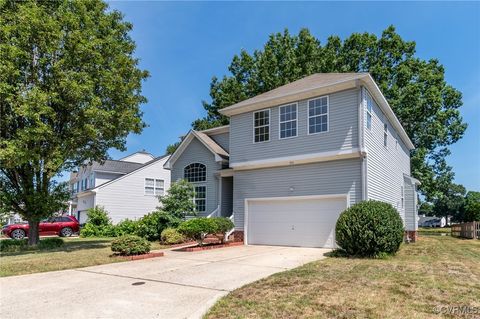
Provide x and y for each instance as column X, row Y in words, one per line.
column 70, row 89
column 426, row 105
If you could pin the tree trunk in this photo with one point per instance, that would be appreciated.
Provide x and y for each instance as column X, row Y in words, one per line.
column 33, row 237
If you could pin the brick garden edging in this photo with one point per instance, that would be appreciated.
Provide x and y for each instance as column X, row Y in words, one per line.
column 208, row 247
column 144, row 256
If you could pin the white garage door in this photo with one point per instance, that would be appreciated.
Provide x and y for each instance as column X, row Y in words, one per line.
column 304, row 222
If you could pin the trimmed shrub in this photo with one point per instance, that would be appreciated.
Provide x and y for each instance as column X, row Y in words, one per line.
column 151, row 225
column 223, row 225
column 171, row 236
column 198, row 228
column 130, row 245
column 126, row 227
column 50, row 243
column 11, row 245
column 369, row 229
column 98, row 224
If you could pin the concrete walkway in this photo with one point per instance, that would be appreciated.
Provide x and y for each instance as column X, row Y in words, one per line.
column 178, row 285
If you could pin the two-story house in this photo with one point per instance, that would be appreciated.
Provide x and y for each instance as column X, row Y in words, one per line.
column 126, row 188
column 292, row 159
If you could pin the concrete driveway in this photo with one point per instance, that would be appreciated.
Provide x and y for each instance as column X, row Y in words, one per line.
column 178, row 285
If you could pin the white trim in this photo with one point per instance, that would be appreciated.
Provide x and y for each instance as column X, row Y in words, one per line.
column 280, row 121
column 286, row 198
column 328, row 115
column 226, row 172
column 217, row 130
column 269, row 125
column 299, row 159
column 201, row 184
column 199, row 162
column 184, row 144
column 154, row 186
column 110, row 172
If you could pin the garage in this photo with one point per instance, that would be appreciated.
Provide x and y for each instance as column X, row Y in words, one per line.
column 293, row 221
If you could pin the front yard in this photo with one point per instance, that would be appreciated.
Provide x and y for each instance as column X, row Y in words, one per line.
column 77, row 252
column 435, row 271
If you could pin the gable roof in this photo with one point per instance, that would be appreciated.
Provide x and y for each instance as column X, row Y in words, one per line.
column 219, row 153
column 316, row 85
column 115, row 166
column 140, row 167
column 138, row 152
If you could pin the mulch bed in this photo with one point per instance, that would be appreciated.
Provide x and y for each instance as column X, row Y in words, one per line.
column 209, row 246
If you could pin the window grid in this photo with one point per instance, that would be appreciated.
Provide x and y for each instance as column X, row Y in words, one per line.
column 318, row 115
column 369, row 111
column 195, row 172
column 261, row 126
column 288, row 121
column 154, row 187
column 200, row 198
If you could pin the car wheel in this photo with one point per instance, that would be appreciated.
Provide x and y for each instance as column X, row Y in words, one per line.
column 66, row 232
column 18, row 234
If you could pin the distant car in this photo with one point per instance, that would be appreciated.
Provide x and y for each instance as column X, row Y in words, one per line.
column 64, row 226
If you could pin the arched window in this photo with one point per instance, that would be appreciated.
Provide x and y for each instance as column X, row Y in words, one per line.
column 195, row 172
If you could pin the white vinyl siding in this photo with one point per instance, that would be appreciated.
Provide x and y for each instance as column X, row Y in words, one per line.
column 385, row 165
column 261, row 126
column 318, row 115
column 288, row 121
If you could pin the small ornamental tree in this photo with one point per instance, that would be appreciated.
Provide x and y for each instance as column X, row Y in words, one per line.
column 179, row 200
column 369, row 229
column 472, row 206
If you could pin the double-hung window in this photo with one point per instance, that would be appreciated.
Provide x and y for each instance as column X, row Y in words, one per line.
column 92, row 180
column 288, row 121
column 200, row 198
column 369, row 110
column 261, row 126
column 154, row 187
column 385, row 134
column 318, row 115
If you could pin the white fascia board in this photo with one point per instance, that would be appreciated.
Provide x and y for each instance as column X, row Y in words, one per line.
column 299, row 159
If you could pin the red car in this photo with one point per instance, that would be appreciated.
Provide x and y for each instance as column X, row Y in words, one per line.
column 64, row 226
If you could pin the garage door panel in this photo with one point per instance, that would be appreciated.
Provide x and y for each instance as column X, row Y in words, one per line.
column 302, row 222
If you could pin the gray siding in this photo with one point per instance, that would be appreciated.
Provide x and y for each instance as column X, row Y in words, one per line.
column 385, row 165
column 327, row 178
column 411, row 222
column 196, row 152
column 222, row 139
column 342, row 134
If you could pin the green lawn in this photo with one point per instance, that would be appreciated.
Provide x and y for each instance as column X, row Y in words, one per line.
column 437, row 270
column 77, row 252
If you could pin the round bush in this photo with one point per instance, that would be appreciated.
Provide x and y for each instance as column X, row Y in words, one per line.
column 130, row 245
column 369, row 229
column 198, row 228
column 171, row 236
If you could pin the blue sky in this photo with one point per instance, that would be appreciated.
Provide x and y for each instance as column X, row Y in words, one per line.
column 184, row 44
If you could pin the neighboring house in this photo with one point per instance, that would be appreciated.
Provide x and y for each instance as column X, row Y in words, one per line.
column 431, row 221
column 292, row 159
column 126, row 188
